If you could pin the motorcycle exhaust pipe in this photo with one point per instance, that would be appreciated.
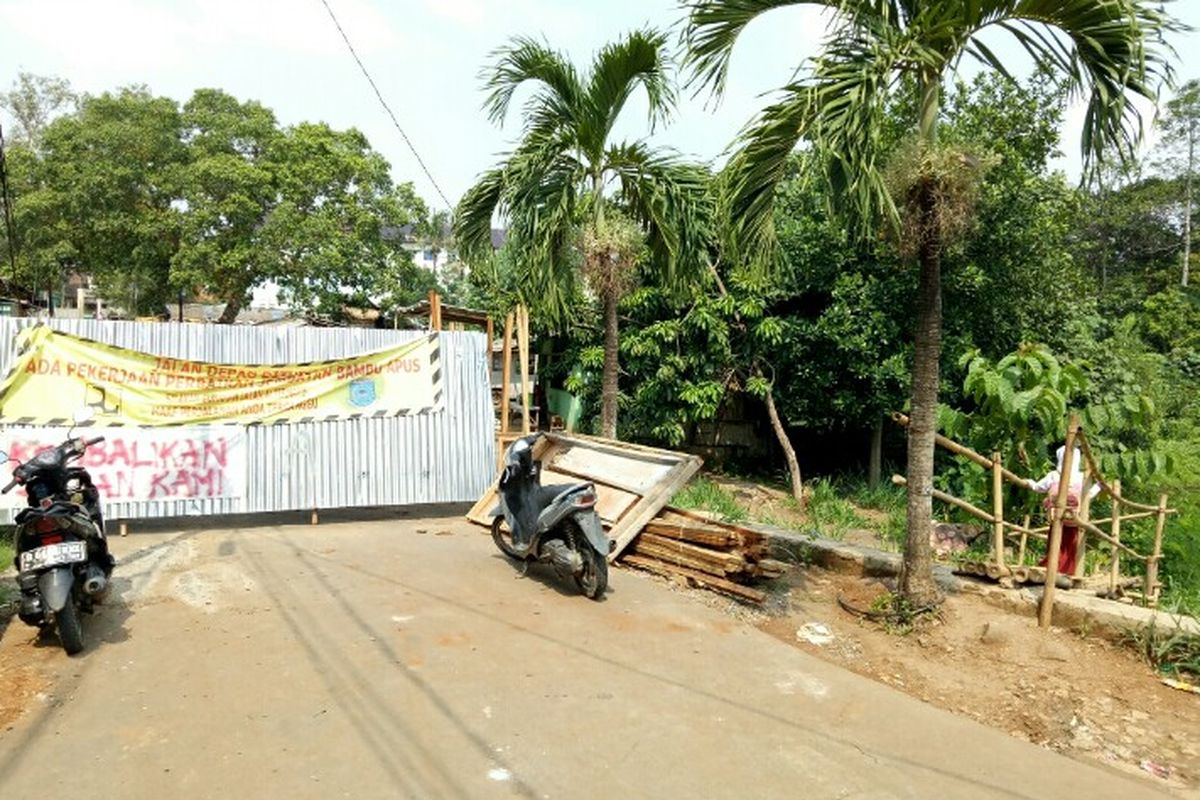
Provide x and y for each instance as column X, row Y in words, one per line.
column 96, row 583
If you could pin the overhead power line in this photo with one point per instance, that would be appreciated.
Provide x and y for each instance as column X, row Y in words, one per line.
column 386, row 107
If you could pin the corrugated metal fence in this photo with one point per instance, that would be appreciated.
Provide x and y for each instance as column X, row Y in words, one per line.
column 444, row 457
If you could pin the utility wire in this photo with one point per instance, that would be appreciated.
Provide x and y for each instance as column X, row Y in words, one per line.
column 386, row 107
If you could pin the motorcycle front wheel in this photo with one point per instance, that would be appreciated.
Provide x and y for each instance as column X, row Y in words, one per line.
column 501, row 542
column 70, row 631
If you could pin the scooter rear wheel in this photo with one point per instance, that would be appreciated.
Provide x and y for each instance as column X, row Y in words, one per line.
column 592, row 579
column 70, row 631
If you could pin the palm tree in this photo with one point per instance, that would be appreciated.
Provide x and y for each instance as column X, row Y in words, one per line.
column 1106, row 50
column 573, row 200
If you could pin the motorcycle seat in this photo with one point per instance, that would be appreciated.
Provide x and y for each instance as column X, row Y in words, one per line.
column 546, row 495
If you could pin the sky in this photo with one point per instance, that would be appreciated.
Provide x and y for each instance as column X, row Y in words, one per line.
column 425, row 56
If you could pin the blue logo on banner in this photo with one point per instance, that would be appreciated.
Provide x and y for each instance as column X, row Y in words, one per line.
column 362, row 393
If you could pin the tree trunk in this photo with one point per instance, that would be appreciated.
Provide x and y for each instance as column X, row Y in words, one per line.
column 608, row 385
column 1187, row 205
column 230, row 312
column 916, row 574
column 875, row 461
column 789, row 453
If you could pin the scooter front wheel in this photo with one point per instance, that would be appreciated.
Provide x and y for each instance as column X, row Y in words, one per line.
column 501, row 542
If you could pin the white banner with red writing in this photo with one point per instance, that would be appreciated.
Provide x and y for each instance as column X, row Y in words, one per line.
column 139, row 464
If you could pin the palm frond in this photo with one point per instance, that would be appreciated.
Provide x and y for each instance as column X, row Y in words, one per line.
column 473, row 216
column 1107, row 50
column 674, row 201
column 524, row 60
column 639, row 58
column 710, row 30
column 545, row 182
column 839, row 108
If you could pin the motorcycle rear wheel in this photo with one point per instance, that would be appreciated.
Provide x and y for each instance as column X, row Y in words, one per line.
column 70, row 630
column 592, row 579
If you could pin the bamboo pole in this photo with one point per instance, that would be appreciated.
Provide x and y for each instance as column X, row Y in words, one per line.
column 1150, row 592
column 1099, row 534
column 1085, row 505
column 523, row 353
column 1024, row 541
column 966, row 452
column 998, row 512
column 1091, row 461
column 1046, row 609
column 506, row 372
column 974, row 511
column 1114, row 570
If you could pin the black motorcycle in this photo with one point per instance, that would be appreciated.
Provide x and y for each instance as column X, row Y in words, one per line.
column 62, row 555
column 555, row 524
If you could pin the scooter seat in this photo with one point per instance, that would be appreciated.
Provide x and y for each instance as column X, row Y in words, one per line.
column 546, row 495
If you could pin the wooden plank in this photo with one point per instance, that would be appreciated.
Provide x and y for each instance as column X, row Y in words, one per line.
column 650, row 504
column 703, row 579
column 506, row 369
column 610, row 503
column 523, row 354
column 627, row 471
column 709, row 537
column 721, row 562
column 749, row 537
column 624, row 449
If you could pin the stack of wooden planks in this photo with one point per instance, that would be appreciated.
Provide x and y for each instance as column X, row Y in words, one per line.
column 717, row 555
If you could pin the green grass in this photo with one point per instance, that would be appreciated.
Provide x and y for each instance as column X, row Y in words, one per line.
column 1170, row 652
column 704, row 495
column 831, row 514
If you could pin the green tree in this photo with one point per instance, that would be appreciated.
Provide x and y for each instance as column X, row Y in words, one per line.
column 303, row 206
column 33, row 102
column 98, row 197
column 1181, row 134
column 566, row 175
column 1104, row 48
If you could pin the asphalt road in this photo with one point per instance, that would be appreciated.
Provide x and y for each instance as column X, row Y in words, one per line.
column 405, row 658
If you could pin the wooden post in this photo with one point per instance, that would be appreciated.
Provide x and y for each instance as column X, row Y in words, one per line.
column 491, row 338
column 435, row 324
column 998, row 513
column 523, row 353
column 1046, row 609
column 1150, row 592
column 1085, row 506
column 505, row 371
column 1115, row 568
column 1024, row 542
column 124, row 528
column 314, row 519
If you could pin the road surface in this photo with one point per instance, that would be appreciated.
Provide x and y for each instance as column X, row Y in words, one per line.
column 403, row 657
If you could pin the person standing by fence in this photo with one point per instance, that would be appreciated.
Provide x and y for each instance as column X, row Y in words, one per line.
column 1048, row 486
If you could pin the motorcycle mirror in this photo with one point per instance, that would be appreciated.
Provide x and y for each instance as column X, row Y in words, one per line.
column 4, row 459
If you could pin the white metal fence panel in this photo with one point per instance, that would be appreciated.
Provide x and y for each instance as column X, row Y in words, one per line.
column 444, row 457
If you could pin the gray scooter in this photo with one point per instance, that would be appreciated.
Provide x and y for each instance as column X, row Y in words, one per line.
column 555, row 524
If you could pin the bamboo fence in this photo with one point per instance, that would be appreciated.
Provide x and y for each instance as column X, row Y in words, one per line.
column 999, row 567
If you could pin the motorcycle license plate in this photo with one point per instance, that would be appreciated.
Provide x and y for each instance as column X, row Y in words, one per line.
column 52, row 555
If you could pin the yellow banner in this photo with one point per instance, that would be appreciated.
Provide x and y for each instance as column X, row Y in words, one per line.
column 57, row 374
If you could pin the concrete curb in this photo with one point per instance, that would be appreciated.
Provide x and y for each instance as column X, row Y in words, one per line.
column 1072, row 609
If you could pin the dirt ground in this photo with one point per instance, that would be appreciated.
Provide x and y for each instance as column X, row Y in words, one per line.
column 404, row 657
column 1084, row 697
